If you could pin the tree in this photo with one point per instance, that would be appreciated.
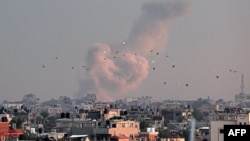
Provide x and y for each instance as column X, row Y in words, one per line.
column 163, row 133
column 143, row 125
column 44, row 114
column 51, row 122
column 185, row 134
column 18, row 121
column 198, row 115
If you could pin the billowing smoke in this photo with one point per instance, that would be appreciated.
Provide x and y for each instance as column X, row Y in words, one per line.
column 115, row 70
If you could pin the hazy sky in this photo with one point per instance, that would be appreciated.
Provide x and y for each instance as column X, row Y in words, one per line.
column 71, row 48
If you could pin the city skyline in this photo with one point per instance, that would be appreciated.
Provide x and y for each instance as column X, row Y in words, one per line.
column 71, row 49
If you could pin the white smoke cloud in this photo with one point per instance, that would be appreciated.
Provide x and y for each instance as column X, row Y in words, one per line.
column 111, row 72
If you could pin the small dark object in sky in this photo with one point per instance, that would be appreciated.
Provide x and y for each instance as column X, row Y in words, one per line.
column 173, row 66
column 157, row 53
column 186, row 84
column 43, row 66
column 72, row 68
column 117, row 52
column 56, row 58
column 164, row 83
column 153, row 68
column 217, row 76
column 151, row 50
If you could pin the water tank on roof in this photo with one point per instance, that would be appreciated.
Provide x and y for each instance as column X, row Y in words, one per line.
column 32, row 130
column 4, row 119
column 62, row 115
column 67, row 115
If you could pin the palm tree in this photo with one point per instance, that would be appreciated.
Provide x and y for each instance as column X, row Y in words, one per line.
column 45, row 115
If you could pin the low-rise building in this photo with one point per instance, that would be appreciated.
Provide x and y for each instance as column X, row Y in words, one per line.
column 53, row 110
column 217, row 126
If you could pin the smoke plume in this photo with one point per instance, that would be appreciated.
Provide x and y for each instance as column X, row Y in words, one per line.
column 113, row 71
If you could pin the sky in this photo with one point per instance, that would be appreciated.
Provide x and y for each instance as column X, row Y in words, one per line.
column 167, row 49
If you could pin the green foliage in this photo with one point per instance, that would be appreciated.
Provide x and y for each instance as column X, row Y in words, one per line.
column 51, row 123
column 28, row 136
column 185, row 134
column 198, row 115
column 18, row 121
column 143, row 125
column 163, row 133
column 44, row 114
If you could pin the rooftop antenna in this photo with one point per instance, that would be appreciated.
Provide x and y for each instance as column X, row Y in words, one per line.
column 242, row 84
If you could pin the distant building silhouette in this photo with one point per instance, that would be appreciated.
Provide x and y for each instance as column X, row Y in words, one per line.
column 242, row 97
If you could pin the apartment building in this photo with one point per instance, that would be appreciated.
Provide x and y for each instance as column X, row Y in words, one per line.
column 216, row 126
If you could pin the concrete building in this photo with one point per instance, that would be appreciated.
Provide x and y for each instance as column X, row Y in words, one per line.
column 216, row 126
column 53, row 110
column 111, row 113
column 243, row 119
column 150, row 135
column 216, row 129
column 99, row 128
column 11, row 105
column 7, row 133
column 157, row 122
column 124, row 127
column 4, row 117
column 87, row 105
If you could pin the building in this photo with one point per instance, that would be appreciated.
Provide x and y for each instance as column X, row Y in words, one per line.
column 87, row 105
column 79, row 138
column 99, row 128
column 52, row 110
column 150, row 135
column 242, row 97
column 4, row 117
column 216, row 129
column 128, row 128
column 157, row 122
column 12, row 105
column 175, row 139
column 109, row 113
column 119, row 138
column 5, row 131
column 216, row 126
